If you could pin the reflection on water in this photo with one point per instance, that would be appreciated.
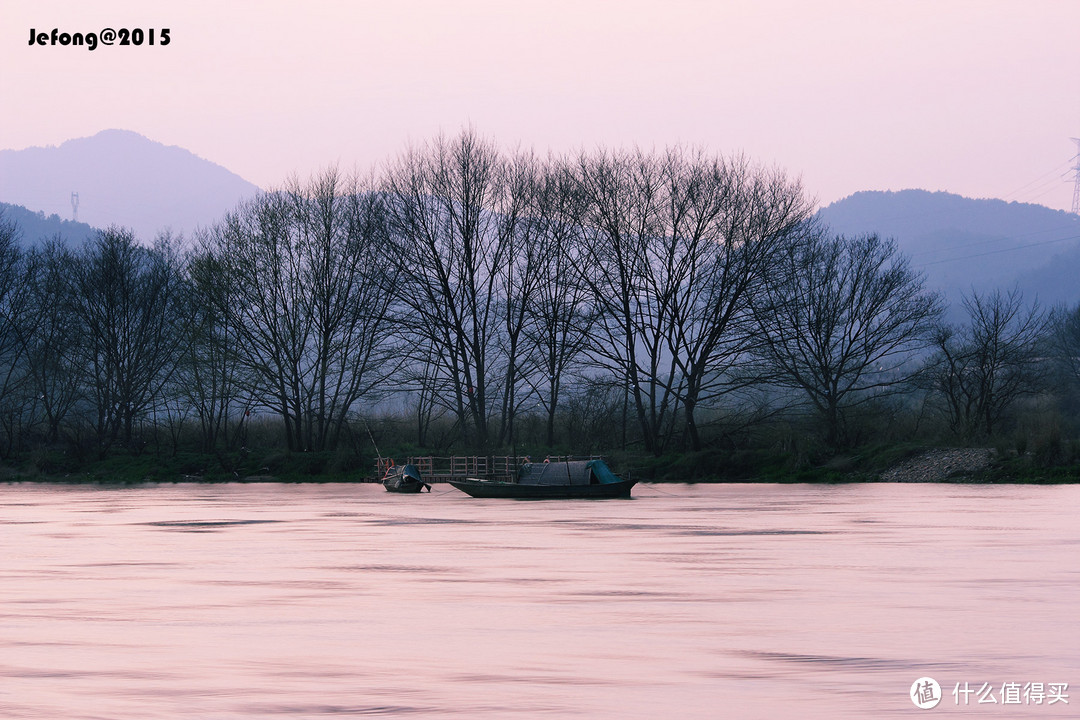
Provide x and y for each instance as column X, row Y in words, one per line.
column 700, row 601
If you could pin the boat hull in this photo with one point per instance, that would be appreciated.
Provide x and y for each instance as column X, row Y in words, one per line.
column 521, row 491
column 406, row 485
column 404, row 479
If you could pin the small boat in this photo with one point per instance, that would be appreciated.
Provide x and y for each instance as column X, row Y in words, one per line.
column 404, row 479
column 552, row 481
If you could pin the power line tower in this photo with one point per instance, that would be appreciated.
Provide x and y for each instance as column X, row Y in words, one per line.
column 75, row 206
column 1076, row 179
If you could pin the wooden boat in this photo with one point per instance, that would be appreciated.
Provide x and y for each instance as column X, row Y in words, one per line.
column 404, row 479
column 552, row 481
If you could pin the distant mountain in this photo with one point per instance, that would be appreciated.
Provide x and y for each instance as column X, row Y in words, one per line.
column 1057, row 281
column 961, row 243
column 35, row 228
column 122, row 178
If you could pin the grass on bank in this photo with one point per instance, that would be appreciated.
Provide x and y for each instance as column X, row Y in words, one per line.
column 124, row 467
column 862, row 464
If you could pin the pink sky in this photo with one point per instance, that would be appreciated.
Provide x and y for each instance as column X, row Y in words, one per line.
column 978, row 98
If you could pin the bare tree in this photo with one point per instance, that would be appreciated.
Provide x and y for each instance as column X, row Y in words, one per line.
column 559, row 318
column 675, row 249
column 309, row 298
column 841, row 319
column 53, row 338
column 982, row 368
column 261, row 291
column 623, row 200
column 522, row 221
column 450, row 250
column 209, row 372
column 727, row 222
column 1065, row 340
column 126, row 303
column 343, row 240
column 423, row 374
column 16, row 402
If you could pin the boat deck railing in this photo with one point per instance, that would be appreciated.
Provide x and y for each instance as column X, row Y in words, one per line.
column 434, row 468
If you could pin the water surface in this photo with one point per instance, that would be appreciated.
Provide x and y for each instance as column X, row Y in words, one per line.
column 697, row 601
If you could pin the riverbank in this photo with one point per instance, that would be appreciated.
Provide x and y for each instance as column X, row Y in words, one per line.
column 880, row 463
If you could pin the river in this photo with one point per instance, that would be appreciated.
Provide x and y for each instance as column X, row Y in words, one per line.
column 687, row 601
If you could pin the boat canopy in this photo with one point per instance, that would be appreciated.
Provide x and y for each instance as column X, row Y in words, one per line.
column 574, row 472
column 403, row 471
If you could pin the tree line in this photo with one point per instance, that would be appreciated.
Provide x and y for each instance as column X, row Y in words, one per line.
column 491, row 299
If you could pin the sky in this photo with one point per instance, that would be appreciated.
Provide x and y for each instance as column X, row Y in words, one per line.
column 978, row 98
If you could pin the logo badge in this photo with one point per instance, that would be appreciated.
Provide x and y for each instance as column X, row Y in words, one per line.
column 925, row 693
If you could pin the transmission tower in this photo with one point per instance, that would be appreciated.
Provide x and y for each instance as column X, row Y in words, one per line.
column 75, row 206
column 1076, row 179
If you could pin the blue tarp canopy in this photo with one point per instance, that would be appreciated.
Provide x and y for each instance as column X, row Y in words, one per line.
column 574, row 472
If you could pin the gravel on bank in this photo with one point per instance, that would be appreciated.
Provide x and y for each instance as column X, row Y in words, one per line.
column 941, row 464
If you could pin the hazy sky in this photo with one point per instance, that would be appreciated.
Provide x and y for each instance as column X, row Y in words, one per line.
column 978, row 98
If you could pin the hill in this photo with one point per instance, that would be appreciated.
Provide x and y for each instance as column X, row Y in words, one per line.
column 124, row 179
column 36, row 228
column 963, row 243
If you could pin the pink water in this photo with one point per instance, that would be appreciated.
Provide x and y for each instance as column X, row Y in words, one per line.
column 706, row 601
